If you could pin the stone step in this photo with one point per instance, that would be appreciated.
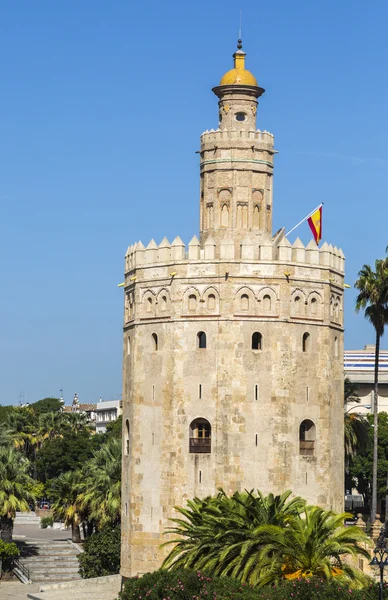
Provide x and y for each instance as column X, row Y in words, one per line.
column 53, row 570
column 46, row 558
column 54, row 578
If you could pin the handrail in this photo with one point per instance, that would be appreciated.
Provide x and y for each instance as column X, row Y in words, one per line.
column 16, row 561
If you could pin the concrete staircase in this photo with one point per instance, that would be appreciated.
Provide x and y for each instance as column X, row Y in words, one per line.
column 26, row 518
column 49, row 561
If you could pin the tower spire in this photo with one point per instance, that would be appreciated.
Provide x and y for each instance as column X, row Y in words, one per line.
column 239, row 41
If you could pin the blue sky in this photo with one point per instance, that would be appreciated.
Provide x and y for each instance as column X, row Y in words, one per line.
column 101, row 108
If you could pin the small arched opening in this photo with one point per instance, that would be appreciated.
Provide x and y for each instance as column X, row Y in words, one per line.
column 126, row 448
column 306, row 341
column 200, row 436
column 201, row 340
column 192, row 302
column 155, row 341
column 149, row 304
column 211, row 302
column 307, row 438
column 244, row 302
column 257, row 341
column 267, row 304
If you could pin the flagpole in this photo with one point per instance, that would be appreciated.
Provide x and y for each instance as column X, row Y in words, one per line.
column 305, row 219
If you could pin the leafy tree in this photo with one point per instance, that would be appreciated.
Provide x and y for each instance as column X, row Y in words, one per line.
column 14, row 489
column 66, row 453
column 361, row 465
column 65, row 491
column 115, row 428
column 373, row 299
column 46, row 405
column 101, row 555
column 4, row 412
column 269, row 539
column 100, row 493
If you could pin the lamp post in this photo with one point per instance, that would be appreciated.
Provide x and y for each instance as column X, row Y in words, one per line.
column 380, row 553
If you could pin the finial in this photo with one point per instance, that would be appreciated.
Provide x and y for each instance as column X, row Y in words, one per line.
column 239, row 43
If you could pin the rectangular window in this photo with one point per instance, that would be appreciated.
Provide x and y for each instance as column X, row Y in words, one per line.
column 200, row 391
column 256, row 439
column 307, row 393
column 153, row 392
column 256, row 392
column 200, row 477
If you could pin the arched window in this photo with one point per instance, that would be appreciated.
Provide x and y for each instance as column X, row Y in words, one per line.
column 192, row 302
column 267, row 303
column 155, row 341
column 336, row 347
column 307, row 438
column 297, row 303
column 211, row 302
column 244, row 302
column 126, row 437
column 163, row 303
column 200, row 436
column 201, row 340
column 314, row 306
column 149, row 304
column 257, row 339
column 306, row 342
column 128, row 346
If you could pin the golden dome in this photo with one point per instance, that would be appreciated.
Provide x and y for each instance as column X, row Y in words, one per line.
column 239, row 75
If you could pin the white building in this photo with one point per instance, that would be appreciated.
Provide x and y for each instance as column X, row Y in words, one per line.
column 106, row 412
column 359, row 367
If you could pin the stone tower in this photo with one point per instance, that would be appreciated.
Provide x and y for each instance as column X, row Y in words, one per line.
column 233, row 346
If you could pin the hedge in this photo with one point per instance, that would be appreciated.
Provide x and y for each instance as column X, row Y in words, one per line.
column 193, row 585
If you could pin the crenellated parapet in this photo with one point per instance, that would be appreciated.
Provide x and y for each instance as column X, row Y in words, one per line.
column 281, row 252
column 218, row 136
column 277, row 280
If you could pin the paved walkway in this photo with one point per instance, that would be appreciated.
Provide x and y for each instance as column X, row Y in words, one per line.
column 11, row 590
column 14, row 590
column 102, row 591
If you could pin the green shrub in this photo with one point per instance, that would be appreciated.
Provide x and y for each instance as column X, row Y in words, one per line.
column 7, row 553
column 101, row 554
column 46, row 522
column 187, row 584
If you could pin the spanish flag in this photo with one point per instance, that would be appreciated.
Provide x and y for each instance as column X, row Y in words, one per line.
column 315, row 222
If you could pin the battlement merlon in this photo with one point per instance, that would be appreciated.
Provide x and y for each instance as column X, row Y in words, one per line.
column 278, row 252
column 258, row 137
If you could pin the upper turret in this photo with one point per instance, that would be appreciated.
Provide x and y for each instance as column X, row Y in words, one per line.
column 237, row 163
column 238, row 92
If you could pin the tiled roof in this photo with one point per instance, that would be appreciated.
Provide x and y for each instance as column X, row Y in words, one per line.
column 80, row 407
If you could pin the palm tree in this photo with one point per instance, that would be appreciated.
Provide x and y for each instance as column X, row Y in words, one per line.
column 77, row 421
column 65, row 491
column 14, row 494
column 261, row 545
column 314, row 544
column 373, row 298
column 100, row 493
column 214, row 528
column 51, row 425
